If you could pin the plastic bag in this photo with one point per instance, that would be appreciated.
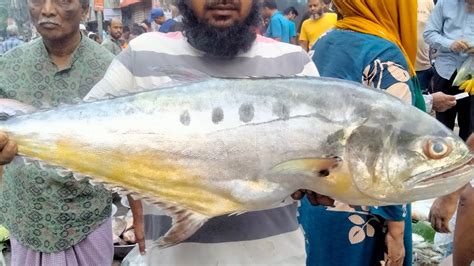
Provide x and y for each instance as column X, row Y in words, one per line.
column 134, row 258
column 465, row 77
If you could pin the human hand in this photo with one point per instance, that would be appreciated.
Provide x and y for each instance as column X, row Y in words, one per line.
column 394, row 242
column 8, row 149
column 459, row 46
column 138, row 223
column 442, row 101
column 442, row 211
column 314, row 198
column 470, row 51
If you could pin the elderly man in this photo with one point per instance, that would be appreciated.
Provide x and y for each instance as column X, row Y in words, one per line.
column 53, row 219
column 112, row 42
column 317, row 24
column 209, row 45
column 12, row 41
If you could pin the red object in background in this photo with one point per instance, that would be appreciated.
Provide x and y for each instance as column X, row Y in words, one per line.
column 99, row 5
column 124, row 3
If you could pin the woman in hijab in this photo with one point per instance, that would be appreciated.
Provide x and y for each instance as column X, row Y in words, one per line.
column 374, row 43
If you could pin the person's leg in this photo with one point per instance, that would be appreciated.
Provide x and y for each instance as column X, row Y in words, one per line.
column 425, row 77
column 463, row 250
column 463, row 107
column 448, row 117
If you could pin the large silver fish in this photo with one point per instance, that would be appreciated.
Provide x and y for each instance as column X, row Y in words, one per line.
column 230, row 146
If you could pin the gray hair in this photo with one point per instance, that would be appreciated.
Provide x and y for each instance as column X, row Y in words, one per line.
column 12, row 30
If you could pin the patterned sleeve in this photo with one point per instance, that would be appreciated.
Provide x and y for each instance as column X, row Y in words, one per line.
column 389, row 71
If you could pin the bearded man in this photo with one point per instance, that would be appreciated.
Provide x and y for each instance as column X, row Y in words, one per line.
column 318, row 23
column 219, row 40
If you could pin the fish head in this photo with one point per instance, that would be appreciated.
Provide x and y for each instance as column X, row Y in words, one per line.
column 407, row 156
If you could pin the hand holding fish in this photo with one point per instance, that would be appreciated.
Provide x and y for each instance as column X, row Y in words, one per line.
column 313, row 197
column 8, row 149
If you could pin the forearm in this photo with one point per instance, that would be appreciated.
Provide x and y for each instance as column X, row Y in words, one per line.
column 396, row 228
column 304, row 45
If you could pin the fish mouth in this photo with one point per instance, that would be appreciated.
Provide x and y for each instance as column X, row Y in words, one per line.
column 452, row 171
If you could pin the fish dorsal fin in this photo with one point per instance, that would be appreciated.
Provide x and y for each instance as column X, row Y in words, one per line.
column 321, row 166
column 9, row 108
column 185, row 224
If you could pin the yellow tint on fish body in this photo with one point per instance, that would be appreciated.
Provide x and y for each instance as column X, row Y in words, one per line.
column 151, row 174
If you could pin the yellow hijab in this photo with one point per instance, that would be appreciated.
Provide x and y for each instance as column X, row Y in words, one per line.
column 393, row 20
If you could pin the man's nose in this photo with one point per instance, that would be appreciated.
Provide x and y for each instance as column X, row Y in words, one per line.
column 48, row 9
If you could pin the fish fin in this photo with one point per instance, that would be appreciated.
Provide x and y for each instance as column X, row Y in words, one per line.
column 237, row 213
column 348, row 130
column 79, row 177
column 185, row 224
column 321, row 166
column 9, row 108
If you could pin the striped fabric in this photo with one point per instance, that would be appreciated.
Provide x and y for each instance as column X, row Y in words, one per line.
column 95, row 249
column 266, row 237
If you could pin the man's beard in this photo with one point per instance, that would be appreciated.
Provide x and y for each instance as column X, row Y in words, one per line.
column 317, row 15
column 221, row 42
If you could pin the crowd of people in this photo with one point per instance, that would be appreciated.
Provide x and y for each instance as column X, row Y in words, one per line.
column 410, row 49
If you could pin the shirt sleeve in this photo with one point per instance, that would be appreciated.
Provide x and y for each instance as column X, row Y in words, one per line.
column 433, row 33
column 275, row 28
column 292, row 29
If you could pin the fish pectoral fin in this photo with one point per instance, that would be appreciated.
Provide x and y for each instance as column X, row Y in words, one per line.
column 185, row 224
column 321, row 166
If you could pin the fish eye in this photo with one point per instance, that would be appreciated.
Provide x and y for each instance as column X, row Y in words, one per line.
column 436, row 149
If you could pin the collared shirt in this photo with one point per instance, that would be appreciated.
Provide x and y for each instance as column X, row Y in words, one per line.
column 9, row 44
column 278, row 28
column 43, row 210
column 449, row 22
column 112, row 45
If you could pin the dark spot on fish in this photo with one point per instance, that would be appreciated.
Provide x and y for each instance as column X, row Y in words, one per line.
column 281, row 111
column 324, row 173
column 217, row 115
column 185, row 118
column 246, row 112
